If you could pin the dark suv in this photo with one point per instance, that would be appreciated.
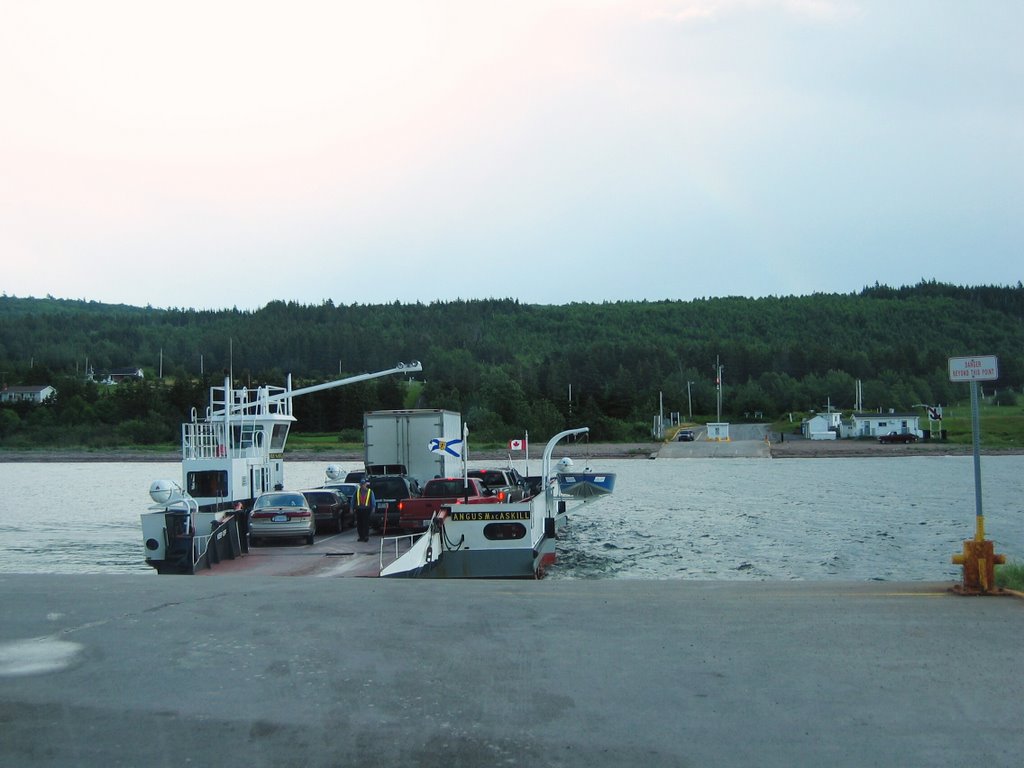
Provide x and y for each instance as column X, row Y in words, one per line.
column 331, row 509
column 388, row 490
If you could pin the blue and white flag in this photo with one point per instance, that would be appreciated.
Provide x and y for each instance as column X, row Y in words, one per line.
column 442, row 445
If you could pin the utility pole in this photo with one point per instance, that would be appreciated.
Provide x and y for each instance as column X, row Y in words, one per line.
column 689, row 401
column 718, row 384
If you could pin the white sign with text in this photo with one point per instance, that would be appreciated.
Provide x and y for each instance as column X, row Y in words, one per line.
column 981, row 368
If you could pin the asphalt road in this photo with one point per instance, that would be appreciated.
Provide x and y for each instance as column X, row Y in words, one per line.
column 746, row 440
column 274, row 671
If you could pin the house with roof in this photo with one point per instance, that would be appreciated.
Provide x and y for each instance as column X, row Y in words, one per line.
column 877, row 424
column 116, row 375
column 34, row 393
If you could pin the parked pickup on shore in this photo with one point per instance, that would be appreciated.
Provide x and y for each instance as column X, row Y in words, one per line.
column 414, row 514
column 898, row 437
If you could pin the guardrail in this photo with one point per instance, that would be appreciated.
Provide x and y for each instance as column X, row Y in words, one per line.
column 397, row 541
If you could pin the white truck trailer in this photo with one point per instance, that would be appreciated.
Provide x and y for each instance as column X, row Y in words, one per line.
column 407, row 442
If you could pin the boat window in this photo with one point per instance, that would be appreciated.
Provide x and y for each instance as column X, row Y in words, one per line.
column 247, row 435
column 502, row 531
column 209, row 484
column 280, row 436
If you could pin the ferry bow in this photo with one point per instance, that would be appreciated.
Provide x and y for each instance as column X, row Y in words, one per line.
column 500, row 540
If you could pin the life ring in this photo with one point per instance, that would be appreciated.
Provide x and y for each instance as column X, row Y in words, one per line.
column 222, row 451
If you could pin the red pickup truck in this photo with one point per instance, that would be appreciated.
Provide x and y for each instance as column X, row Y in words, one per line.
column 414, row 513
column 898, row 437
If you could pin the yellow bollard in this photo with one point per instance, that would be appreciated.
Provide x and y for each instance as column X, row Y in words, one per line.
column 979, row 561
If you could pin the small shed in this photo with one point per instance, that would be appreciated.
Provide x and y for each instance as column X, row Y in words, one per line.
column 822, row 426
column 718, row 432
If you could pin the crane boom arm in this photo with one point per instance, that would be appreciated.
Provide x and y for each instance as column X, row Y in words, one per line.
column 412, row 367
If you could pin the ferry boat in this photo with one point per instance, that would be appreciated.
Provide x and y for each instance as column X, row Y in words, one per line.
column 481, row 541
column 229, row 458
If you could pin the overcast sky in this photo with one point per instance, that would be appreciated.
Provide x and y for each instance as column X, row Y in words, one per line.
column 214, row 153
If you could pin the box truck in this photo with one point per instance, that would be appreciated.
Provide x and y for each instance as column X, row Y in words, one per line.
column 414, row 443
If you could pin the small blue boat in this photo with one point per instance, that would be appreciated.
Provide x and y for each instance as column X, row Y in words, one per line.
column 585, row 485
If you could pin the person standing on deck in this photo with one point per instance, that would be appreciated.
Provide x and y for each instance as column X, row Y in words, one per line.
column 364, row 503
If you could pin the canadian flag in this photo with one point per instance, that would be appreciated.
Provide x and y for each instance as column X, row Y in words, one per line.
column 515, row 445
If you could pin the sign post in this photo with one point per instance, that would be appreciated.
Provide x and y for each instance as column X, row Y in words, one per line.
column 978, row 558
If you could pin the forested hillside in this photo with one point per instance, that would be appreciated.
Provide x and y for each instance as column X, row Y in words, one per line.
column 507, row 366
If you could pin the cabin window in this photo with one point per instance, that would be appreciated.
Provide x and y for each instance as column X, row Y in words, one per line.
column 208, row 484
column 503, row 531
column 279, row 437
column 247, row 435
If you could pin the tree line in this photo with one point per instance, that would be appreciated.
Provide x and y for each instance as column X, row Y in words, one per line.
column 507, row 366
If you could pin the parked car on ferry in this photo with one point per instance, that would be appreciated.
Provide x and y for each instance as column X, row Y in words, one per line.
column 414, row 514
column 281, row 515
column 331, row 509
column 348, row 490
column 506, row 485
column 388, row 491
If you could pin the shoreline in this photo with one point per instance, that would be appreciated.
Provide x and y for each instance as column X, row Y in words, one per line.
column 802, row 449
column 788, row 449
column 595, row 451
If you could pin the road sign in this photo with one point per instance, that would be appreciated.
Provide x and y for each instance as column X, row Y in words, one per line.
column 981, row 368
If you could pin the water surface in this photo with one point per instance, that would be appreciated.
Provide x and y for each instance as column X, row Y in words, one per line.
column 881, row 518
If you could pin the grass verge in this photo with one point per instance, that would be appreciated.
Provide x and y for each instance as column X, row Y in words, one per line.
column 1010, row 576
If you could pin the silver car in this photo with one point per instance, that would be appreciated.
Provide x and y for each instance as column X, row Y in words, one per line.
column 281, row 514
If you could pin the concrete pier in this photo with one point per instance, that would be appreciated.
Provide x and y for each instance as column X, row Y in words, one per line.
column 276, row 671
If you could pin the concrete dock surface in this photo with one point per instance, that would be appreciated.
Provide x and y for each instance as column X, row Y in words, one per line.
column 303, row 671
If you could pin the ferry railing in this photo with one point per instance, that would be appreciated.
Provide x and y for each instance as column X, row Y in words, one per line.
column 397, row 541
column 200, row 546
column 207, row 551
column 201, row 441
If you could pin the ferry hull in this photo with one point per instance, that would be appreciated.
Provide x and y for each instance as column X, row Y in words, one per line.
column 519, row 563
column 172, row 551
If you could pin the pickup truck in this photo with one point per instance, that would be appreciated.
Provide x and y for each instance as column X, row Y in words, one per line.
column 390, row 491
column 507, row 485
column 898, row 437
column 414, row 514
